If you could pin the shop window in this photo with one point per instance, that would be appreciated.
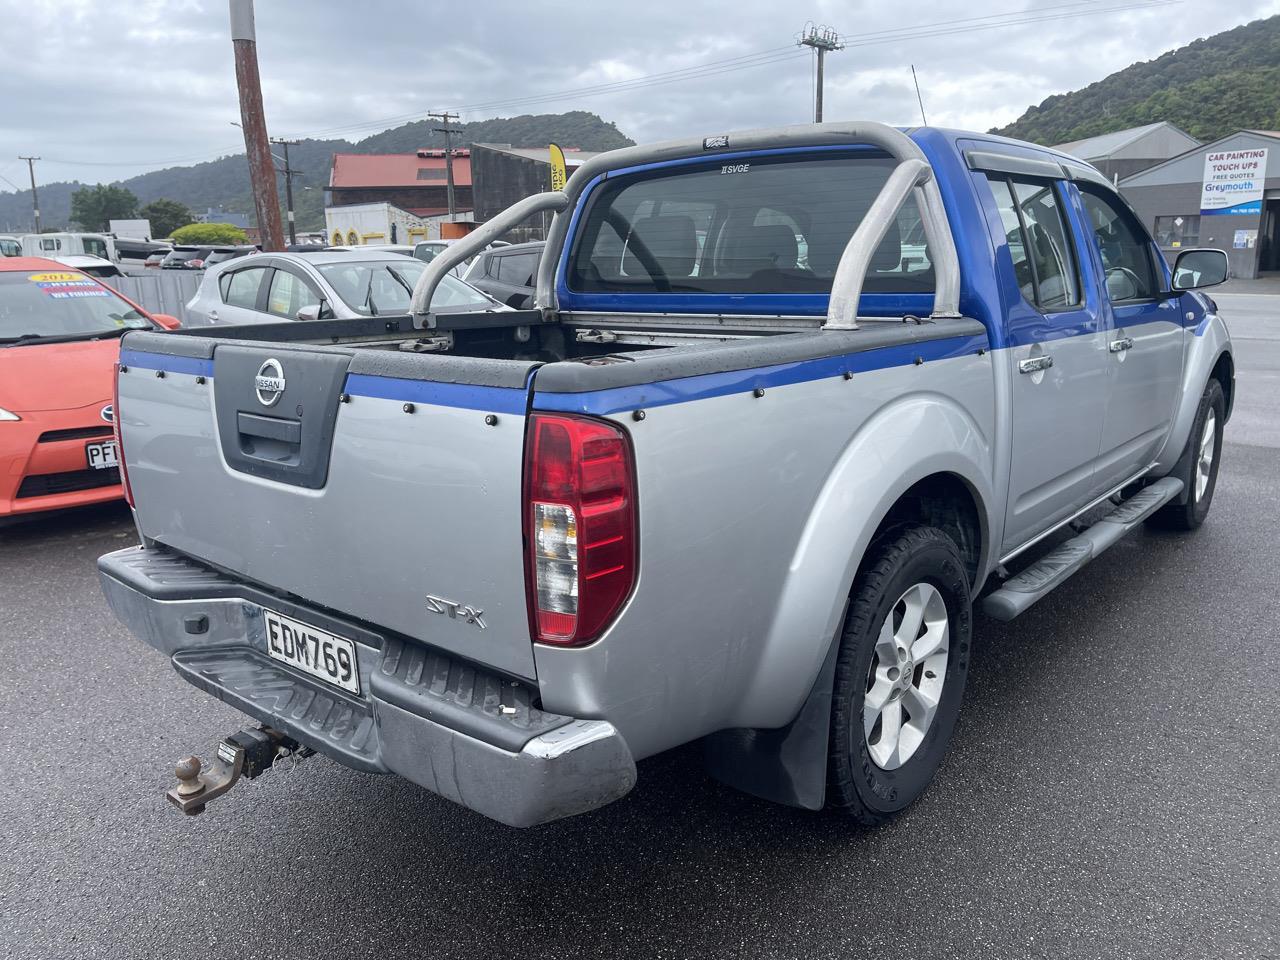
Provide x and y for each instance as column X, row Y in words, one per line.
column 1181, row 230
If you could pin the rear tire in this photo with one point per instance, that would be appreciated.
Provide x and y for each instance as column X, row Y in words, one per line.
column 1199, row 470
column 900, row 673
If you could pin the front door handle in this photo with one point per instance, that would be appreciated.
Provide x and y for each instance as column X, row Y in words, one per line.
column 1121, row 345
column 1035, row 364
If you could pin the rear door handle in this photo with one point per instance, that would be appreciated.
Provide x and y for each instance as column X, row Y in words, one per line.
column 1035, row 364
column 1121, row 345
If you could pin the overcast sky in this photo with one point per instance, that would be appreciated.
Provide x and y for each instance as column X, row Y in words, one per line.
column 102, row 90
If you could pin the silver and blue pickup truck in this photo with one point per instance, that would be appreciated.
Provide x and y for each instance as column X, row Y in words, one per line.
column 790, row 403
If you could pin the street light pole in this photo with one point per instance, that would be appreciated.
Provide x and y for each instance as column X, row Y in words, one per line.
column 822, row 40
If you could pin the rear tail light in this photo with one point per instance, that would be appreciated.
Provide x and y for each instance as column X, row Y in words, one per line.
column 580, row 542
column 115, row 426
column 195, row 264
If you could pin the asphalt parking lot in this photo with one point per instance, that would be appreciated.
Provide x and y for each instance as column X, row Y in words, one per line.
column 1113, row 789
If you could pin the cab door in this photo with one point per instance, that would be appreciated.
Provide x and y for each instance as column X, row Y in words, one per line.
column 1055, row 352
column 1145, row 338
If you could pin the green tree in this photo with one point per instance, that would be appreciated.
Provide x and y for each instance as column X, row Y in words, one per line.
column 209, row 233
column 166, row 216
column 92, row 207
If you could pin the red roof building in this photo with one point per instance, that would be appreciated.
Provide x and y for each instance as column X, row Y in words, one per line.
column 416, row 182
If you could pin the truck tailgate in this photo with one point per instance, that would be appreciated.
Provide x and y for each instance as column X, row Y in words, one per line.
column 382, row 485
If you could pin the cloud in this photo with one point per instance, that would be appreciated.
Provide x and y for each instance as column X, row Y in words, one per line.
column 103, row 90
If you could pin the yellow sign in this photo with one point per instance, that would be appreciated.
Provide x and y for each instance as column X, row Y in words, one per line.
column 55, row 277
column 558, row 173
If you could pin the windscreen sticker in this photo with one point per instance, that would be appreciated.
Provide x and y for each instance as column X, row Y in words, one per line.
column 67, row 286
column 76, row 294
column 56, row 277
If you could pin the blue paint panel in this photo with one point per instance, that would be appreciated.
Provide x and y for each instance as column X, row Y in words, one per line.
column 465, row 396
column 169, row 364
column 601, row 402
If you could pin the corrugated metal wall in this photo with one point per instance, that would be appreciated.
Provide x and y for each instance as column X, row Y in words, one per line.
column 161, row 291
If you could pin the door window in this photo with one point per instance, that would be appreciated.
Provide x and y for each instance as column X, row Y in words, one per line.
column 95, row 247
column 240, row 289
column 289, row 294
column 1039, row 244
column 1125, row 248
column 517, row 269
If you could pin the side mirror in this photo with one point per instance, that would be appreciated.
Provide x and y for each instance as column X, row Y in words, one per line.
column 167, row 321
column 1198, row 268
column 310, row 312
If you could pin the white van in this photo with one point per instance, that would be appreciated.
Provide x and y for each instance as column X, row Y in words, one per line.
column 69, row 244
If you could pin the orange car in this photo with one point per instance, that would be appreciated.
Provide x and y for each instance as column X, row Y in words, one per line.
column 59, row 342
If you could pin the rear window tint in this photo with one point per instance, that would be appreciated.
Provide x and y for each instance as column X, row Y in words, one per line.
column 763, row 225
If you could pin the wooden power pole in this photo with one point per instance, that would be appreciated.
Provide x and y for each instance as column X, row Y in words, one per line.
column 448, row 132
column 289, row 174
column 35, row 199
column 262, row 171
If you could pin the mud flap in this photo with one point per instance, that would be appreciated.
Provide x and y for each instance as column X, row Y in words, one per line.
column 787, row 765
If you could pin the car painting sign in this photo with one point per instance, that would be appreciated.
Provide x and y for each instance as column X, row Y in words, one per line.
column 1233, row 182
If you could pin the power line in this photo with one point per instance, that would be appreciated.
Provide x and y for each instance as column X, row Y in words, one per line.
column 759, row 58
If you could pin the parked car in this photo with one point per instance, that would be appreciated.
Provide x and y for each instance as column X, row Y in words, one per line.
column 158, row 258
column 94, row 266
column 223, row 254
column 704, row 494
column 507, row 273
column 188, row 257
column 138, row 252
column 310, row 286
column 59, row 333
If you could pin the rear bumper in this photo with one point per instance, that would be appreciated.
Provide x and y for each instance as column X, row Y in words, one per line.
column 473, row 737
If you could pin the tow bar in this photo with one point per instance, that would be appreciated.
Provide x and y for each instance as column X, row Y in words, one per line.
column 247, row 754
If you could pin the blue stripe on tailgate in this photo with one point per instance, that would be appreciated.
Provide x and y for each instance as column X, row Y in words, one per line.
column 167, row 363
column 489, row 399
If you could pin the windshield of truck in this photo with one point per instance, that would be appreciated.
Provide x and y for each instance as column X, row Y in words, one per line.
column 61, row 305
column 380, row 287
column 758, row 225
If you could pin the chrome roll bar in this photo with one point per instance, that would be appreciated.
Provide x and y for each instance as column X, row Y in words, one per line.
column 911, row 177
column 466, row 247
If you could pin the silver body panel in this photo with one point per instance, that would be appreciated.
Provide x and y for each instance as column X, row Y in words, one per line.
column 415, row 504
column 754, row 513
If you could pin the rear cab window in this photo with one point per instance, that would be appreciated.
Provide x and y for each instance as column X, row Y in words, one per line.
column 742, row 227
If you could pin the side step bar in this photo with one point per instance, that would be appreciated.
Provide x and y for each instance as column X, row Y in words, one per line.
column 1052, row 570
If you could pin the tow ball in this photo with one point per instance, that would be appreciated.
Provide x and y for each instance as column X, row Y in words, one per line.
column 246, row 753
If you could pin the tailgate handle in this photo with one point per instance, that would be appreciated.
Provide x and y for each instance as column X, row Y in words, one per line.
column 269, row 428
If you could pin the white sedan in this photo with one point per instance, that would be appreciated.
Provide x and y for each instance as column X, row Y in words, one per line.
column 272, row 287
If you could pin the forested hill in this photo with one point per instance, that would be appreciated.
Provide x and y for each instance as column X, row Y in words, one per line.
column 1209, row 88
column 225, row 182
